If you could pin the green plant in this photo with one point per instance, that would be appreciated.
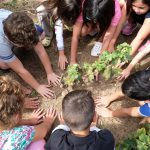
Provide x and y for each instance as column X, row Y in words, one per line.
column 139, row 140
column 72, row 75
column 108, row 63
column 88, row 72
column 10, row 3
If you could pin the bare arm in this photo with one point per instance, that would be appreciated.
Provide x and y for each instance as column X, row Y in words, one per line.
column 126, row 72
column 142, row 34
column 42, row 129
column 40, row 50
column 75, row 40
column 108, row 37
column 51, row 76
column 18, row 67
column 120, row 25
column 122, row 112
column 106, row 100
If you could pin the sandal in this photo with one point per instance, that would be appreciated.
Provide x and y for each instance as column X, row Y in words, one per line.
column 96, row 49
column 46, row 41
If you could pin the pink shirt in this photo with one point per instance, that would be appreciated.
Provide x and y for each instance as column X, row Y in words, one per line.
column 115, row 19
column 117, row 16
column 80, row 18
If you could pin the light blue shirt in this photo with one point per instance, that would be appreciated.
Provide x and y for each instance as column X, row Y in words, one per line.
column 6, row 54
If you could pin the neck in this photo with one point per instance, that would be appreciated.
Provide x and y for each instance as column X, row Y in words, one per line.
column 81, row 133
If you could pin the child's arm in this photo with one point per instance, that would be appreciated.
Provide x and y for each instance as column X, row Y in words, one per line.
column 60, row 44
column 122, row 112
column 126, row 72
column 75, row 40
column 119, row 26
column 140, row 37
column 108, row 37
column 51, row 76
column 18, row 67
column 42, row 129
column 35, row 118
column 106, row 100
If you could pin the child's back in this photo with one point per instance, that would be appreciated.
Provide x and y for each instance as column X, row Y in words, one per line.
column 78, row 112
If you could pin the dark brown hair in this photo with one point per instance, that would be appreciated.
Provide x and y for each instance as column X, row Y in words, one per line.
column 19, row 29
column 78, row 109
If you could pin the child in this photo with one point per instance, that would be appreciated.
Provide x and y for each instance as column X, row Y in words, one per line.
column 43, row 14
column 16, row 133
column 112, row 30
column 78, row 112
column 139, row 13
column 86, row 22
column 17, row 29
column 136, row 86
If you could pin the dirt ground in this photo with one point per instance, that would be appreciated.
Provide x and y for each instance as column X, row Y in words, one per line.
column 120, row 127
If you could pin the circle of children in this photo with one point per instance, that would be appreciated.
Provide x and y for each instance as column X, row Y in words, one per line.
column 77, row 129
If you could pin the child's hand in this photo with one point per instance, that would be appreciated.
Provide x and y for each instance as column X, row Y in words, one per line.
column 54, row 79
column 62, row 62
column 31, row 103
column 37, row 116
column 50, row 116
column 125, row 73
column 102, row 101
column 45, row 91
column 60, row 117
column 103, row 112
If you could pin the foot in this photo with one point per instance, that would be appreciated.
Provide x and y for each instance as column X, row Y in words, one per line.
column 31, row 103
column 46, row 41
column 96, row 49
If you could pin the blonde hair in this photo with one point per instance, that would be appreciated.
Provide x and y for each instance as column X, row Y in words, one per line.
column 11, row 100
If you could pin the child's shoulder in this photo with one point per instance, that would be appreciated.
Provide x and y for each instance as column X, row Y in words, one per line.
column 105, row 134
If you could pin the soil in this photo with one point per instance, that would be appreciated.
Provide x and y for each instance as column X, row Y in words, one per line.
column 120, row 127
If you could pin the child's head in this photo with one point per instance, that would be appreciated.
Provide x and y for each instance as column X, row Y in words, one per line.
column 139, row 6
column 67, row 10
column 20, row 30
column 137, row 85
column 78, row 109
column 100, row 12
column 11, row 101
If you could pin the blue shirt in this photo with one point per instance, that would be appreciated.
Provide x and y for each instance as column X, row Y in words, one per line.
column 145, row 110
column 6, row 54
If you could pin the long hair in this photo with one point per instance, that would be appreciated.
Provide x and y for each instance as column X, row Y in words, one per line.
column 67, row 10
column 11, row 100
column 129, row 4
column 99, row 11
